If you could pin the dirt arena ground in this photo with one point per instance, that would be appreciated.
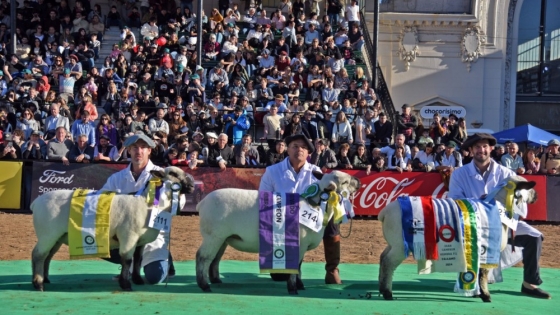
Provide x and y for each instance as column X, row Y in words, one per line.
column 363, row 246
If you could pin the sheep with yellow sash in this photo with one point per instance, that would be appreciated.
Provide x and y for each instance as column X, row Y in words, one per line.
column 57, row 218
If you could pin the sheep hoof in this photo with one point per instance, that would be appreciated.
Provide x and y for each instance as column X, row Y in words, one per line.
column 125, row 284
column 387, row 295
column 137, row 279
column 293, row 292
column 207, row 290
column 485, row 298
column 46, row 280
column 299, row 284
column 216, row 280
column 38, row 286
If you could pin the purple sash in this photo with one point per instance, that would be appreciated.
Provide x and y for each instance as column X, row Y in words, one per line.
column 278, row 232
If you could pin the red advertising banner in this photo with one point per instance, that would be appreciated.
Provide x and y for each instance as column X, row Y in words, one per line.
column 378, row 189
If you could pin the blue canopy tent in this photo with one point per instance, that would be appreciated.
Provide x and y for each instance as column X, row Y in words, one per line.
column 526, row 133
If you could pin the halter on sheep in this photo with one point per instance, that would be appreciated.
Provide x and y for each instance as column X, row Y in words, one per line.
column 128, row 228
column 231, row 217
column 513, row 192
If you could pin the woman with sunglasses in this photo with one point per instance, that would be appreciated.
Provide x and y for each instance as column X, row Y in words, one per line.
column 27, row 123
column 106, row 128
column 177, row 126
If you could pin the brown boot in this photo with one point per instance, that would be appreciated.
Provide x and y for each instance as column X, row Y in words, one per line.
column 332, row 258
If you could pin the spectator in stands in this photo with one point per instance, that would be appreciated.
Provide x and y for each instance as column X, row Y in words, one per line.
column 353, row 13
column 158, row 123
column 177, row 126
column 84, row 126
column 343, row 159
column 218, row 74
column 35, row 148
column 424, row 160
column 407, row 123
column 323, row 156
column 66, row 85
column 220, row 154
column 531, row 162
column 342, row 131
column 399, row 161
column 9, row 150
column 356, row 37
column 114, row 19
column 449, row 159
column 105, row 151
column 272, row 126
column 236, row 125
column 330, row 94
column 513, row 160
column 58, row 148
column 550, row 161
column 277, row 153
column 27, row 123
column 81, row 152
column 245, row 154
column 437, row 129
column 360, row 161
column 106, row 128
column 498, row 152
column 54, row 121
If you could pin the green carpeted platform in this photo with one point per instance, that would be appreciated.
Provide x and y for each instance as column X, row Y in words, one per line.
column 85, row 287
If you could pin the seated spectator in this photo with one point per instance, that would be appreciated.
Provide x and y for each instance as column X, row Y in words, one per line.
column 84, row 127
column 54, row 121
column 399, row 161
column 323, row 156
column 360, row 160
column 343, row 160
column 81, row 152
column 220, row 154
column 550, row 160
column 449, row 159
column 114, row 19
column 383, row 131
column 58, row 148
column 106, row 128
column 27, row 123
column 531, row 162
column 498, row 152
column 158, row 123
column 378, row 164
column 424, row 160
column 35, row 148
column 105, row 151
column 513, row 160
column 236, row 125
column 277, row 153
column 9, row 150
column 342, row 131
column 245, row 154
column 66, row 85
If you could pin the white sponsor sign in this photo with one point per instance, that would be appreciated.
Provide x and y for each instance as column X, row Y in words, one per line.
column 444, row 111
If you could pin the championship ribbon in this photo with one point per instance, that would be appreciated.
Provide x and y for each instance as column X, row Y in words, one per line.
column 152, row 185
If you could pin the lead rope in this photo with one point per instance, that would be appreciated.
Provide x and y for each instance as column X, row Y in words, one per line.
column 351, row 220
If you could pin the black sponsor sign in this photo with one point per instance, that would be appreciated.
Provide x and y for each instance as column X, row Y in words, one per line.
column 48, row 176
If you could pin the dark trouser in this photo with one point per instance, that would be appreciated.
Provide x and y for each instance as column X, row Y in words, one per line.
column 532, row 247
column 155, row 272
column 331, row 230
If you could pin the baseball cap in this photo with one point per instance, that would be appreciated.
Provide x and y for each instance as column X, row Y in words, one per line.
column 554, row 142
column 139, row 137
column 212, row 135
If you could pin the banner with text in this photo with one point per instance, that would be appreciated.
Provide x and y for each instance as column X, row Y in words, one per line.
column 378, row 189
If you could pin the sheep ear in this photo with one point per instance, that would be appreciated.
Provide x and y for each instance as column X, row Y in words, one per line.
column 158, row 173
column 318, row 175
column 525, row 185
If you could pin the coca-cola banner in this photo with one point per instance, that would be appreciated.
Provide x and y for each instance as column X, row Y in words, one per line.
column 380, row 189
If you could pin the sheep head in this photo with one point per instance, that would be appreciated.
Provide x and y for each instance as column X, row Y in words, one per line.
column 176, row 175
column 338, row 181
column 519, row 191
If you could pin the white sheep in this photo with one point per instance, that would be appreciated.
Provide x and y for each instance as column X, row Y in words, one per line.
column 231, row 217
column 128, row 228
column 392, row 256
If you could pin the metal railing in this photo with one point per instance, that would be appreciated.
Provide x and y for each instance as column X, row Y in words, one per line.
column 381, row 88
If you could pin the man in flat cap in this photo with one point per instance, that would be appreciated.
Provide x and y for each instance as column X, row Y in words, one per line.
column 156, row 259
column 293, row 175
column 406, row 124
column 478, row 178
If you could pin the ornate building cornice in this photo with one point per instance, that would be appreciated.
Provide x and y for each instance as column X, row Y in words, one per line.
column 471, row 45
column 408, row 45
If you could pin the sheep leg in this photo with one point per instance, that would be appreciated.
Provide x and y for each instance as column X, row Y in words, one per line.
column 48, row 262
column 390, row 259
column 292, row 284
column 39, row 254
column 299, row 283
column 483, row 283
column 204, row 256
column 126, row 250
column 137, row 260
column 215, row 265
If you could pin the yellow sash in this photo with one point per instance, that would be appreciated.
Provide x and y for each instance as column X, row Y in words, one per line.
column 88, row 225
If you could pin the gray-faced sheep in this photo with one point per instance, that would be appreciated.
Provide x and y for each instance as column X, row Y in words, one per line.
column 128, row 229
column 231, row 217
column 393, row 255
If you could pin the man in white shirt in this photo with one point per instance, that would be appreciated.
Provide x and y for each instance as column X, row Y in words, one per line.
column 156, row 259
column 353, row 13
column 293, row 175
column 449, row 159
column 479, row 178
column 54, row 121
column 399, row 141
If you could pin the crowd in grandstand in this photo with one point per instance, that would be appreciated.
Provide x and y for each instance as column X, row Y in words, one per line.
column 273, row 73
